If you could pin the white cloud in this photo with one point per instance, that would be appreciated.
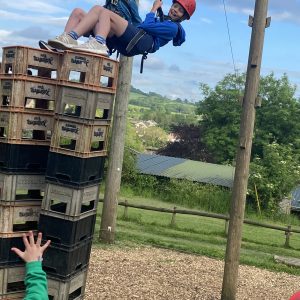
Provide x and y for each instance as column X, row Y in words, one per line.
column 31, row 6
column 205, row 20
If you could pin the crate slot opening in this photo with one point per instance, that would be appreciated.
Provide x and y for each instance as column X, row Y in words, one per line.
column 42, row 135
column 58, row 206
column 77, row 76
column 16, row 286
column 67, row 143
column 29, row 194
column 35, row 103
column 75, row 294
column 5, row 100
column 102, row 114
column 26, row 226
column 8, row 69
column 97, row 146
column 106, row 81
column 72, row 109
column 41, row 72
column 87, row 206
column 3, row 132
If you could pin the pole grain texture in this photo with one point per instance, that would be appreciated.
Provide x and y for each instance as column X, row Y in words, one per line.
column 232, row 256
column 116, row 152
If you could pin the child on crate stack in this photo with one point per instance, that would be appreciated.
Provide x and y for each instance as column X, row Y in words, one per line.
column 35, row 279
column 110, row 31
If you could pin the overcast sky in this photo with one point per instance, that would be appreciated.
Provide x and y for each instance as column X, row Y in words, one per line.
column 177, row 71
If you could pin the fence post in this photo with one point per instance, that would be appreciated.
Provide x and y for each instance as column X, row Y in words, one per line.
column 287, row 237
column 226, row 227
column 173, row 217
column 125, row 215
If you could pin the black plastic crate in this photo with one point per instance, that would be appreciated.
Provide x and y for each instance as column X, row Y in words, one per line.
column 8, row 257
column 66, row 262
column 64, row 233
column 15, row 158
column 74, row 171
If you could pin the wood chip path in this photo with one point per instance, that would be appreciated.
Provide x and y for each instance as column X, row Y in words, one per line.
column 151, row 273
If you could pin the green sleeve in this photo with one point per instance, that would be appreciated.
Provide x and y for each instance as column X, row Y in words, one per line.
column 36, row 282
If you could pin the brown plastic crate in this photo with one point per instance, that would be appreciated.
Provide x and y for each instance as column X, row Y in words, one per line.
column 20, row 217
column 84, row 103
column 30, row 61
column 70, row 203
column 88, row 71
column 20, row 127
column 17, row 187
column 12, row 283
column 26, row 93
column 79, row 137
column 73, row 288
column 79, row 67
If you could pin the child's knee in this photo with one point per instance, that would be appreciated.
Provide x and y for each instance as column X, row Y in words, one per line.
column 78, row 12
column 98, row 8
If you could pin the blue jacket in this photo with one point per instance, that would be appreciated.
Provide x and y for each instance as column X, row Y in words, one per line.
column 162, row 32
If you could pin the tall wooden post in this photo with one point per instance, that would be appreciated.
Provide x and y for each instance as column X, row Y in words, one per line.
column 116, row 153
column 259, row 23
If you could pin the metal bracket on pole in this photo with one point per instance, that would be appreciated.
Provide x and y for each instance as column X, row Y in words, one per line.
column 268, row 22
column 258, row 101
column 243, row 142
column 250, row 21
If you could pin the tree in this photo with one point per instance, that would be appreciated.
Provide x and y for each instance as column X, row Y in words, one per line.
column 153, row 136
column 277, row 119
column 132, row 143
column 220, row 116
column 187, row 144
column 275, row 175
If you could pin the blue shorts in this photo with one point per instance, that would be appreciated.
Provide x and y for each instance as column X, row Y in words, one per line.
column 120, row 43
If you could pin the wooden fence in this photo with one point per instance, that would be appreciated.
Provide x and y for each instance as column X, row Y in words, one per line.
column 287, row 230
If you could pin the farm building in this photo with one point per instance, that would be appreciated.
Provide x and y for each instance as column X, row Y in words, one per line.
column 180, row 168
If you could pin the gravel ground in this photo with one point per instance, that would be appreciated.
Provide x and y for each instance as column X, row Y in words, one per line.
column 151, row 273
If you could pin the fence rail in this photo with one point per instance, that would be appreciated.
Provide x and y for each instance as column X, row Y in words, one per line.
column 287, row 230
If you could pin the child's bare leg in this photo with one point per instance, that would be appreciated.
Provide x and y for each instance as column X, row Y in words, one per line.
column 75, row 18
column 102, row 21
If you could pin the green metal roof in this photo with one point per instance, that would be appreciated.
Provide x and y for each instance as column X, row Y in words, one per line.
column 180, row 168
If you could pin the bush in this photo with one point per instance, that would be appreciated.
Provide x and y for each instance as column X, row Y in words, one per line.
column 182, row 192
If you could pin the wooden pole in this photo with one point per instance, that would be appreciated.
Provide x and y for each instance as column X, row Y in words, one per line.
column 238, row 200
column 116, row 153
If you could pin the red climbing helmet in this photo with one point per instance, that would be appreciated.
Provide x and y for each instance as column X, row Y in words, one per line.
column 188, row 5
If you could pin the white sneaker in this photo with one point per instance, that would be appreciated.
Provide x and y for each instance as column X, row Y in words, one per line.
column 63, row 41
column 92, row 46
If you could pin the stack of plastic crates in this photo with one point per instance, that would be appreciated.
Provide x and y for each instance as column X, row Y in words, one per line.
column 75, row 169
column 28, row 90
column 55, row 115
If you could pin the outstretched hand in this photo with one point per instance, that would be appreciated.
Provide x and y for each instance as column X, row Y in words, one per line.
column 33, row 251
column 156, row 4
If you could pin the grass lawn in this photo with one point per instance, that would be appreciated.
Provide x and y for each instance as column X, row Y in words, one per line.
column 199, row 235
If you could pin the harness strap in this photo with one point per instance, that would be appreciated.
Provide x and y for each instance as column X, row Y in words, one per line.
column 142, row 62
column 135, row 40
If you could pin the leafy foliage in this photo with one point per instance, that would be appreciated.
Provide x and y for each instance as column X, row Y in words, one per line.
column 275, row 175
column 276, row 149
column 153, row 136
column 187, row 144
column 276, row 120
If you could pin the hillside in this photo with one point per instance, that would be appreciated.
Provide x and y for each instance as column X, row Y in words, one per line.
column 152, row 106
